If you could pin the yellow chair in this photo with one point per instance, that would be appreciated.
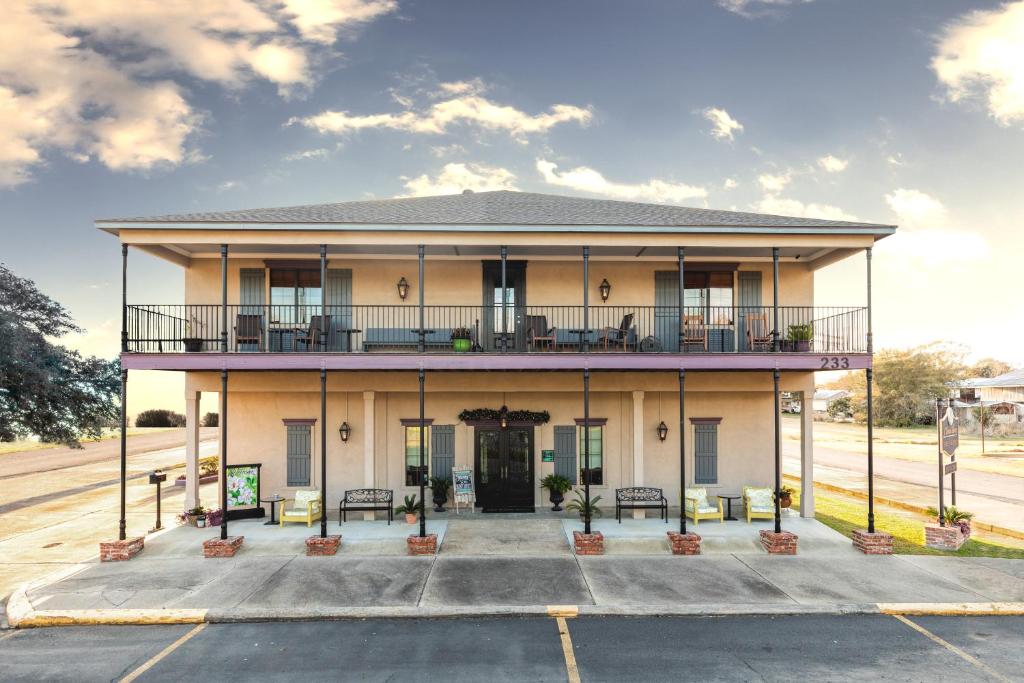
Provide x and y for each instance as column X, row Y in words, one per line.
column 697, row 506
column 759, row 502
column 305, row 507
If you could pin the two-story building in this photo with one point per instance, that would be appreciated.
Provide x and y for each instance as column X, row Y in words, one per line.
column 532, row 330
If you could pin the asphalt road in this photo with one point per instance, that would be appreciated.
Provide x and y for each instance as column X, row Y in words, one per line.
column 530, row 649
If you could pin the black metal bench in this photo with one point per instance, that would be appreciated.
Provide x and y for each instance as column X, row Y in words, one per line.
column 640, row 498
column 367, row 500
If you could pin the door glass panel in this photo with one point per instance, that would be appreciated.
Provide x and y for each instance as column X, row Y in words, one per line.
column 510, row 316
column 490, row 456
column 518, row 458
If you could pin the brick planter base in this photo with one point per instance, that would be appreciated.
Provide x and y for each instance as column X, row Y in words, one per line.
column 943, row 537
column 227, row 547
column 317, row 546
column 684, row 544
column 878, row 543
column 782, row 543
column 588, row 544
column 421, row 545
column 119, row 551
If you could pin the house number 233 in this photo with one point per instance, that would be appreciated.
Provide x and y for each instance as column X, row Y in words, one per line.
column 835, row 363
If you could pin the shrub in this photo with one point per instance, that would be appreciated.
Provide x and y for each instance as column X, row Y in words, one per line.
column 211, row 420
column 159, row 417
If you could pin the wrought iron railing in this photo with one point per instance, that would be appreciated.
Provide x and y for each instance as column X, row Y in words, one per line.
column 525, row 329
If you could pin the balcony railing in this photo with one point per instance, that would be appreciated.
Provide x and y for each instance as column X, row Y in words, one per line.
column 525, row 329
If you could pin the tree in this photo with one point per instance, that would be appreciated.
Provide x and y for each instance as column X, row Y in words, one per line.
column 989, row 367
column 840, row 408
column 211, row 420
column 45, row 388
column 159, row 417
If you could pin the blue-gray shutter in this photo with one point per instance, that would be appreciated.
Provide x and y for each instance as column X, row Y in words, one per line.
column 666, row 309
column 705, row 453
column 251, row 293
column 748, row 301
column 339, row 307
column 299, row 442
column 565, row 452
column 442, row 450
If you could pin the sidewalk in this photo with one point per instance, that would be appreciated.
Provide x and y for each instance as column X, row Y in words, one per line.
column 272, row 579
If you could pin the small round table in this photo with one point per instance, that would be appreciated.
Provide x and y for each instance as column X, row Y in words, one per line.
column 273, row 500
column 728, row 502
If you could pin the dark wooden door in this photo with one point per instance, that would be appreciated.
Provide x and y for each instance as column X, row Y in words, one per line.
column 504, row 468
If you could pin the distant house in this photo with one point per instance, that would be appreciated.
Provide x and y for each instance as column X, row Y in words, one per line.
column 823, row 398
column 1002, row 396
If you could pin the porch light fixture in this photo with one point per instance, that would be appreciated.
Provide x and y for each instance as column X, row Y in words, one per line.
column 344, row 430
column 605, row 288
column 662, row 431
column 403, row 289
column 503, row 417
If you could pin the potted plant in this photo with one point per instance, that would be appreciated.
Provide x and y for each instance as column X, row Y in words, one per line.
column 410, row 508
column 800, row 336
column 215, row 517
column 580, row 505
column 192, row 343
column 556, row 485
column 193, row 516
column 462, row 340
column 954, row 516
column 785, row 497
column 439, row 487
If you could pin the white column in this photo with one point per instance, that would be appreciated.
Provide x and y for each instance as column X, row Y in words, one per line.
column 806, row 454
column 192, row 424
column 638, row 446
column 369, row 429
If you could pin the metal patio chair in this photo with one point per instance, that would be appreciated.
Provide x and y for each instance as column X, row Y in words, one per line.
column 538, row 333
column 617, row 336
column 249, row 330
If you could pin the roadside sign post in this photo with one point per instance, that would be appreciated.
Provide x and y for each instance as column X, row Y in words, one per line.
column 948, row 431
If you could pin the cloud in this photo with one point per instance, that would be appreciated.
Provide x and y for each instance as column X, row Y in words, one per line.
column 925, row 234
column 896, row 159
column 981, row 55
column 229, row 185
column 454, row 178
column 589, row 180
column 303, row 155
column 460, row 102
column 97, row 80
column 781, row 206
column 730, row 184
column 916, row 209
column 774, row 182
column 723, row 126
column 756, row 8
column 833, row 164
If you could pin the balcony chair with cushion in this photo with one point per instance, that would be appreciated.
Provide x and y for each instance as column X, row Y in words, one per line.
column 695, row 332
column 759, row 337
column 538, row 333
column 305, row 507
column 249, row 330
column 759, row 502
column 697, row 506
column 620, row 336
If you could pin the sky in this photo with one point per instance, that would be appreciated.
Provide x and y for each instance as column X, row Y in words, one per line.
column 891, row 111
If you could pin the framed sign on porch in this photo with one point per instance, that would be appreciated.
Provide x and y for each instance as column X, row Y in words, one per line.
column 462, row 488
column 243, row 485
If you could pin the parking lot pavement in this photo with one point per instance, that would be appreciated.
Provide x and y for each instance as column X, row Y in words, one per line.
column 866, row 647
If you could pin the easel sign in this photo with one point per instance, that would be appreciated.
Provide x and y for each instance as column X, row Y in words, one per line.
column 462, row 484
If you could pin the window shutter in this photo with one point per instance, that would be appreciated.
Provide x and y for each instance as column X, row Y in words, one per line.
column 299, row 443
column 749, row 302
column 442, row 450
column 705, row 453
column 251, row 290
column 565, row 452
column 338, row 297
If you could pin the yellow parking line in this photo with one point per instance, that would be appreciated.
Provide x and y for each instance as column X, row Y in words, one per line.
column 152, row 661
column 570, row 658
column 952, row 648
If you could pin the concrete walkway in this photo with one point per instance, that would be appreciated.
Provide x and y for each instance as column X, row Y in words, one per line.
column 271, row 577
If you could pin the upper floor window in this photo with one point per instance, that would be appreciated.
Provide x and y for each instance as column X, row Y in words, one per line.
column 295, row 294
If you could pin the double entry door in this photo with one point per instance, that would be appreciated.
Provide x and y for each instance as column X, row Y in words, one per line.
column 504, row 469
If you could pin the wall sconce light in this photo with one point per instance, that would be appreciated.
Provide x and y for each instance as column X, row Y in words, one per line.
column 403, row 289
column 663, row 431
column 503, row 417
column 605, row 288
column 344, row 430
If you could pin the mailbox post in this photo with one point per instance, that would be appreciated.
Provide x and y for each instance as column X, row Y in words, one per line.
column 157, row 478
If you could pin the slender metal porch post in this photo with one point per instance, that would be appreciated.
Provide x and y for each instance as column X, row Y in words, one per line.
column 423, row 461
column 778, row 454
column 422, row 330
column 223, row 422
column 869, row 375
column 586, row 449
column 682, row 451
column 681, row 254
column 324, row 327
column 586, row 319
column 504, row 303
column 775, row 298
column 124, row 298
column 323, row 452
column 121, row 525
column 223, row 298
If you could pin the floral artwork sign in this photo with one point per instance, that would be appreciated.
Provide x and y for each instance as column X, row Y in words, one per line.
column 243, row 485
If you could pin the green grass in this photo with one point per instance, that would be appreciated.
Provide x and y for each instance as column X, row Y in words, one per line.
column 848, row 514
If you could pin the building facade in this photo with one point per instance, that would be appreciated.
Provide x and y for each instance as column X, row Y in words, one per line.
column 531, row 332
